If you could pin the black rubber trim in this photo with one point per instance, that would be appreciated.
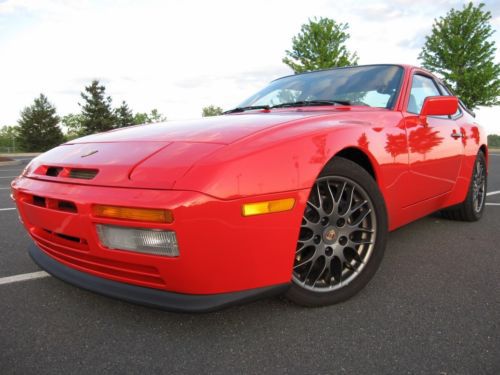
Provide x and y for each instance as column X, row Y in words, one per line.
column 147, row 296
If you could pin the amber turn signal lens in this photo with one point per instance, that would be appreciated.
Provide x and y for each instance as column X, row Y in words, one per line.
column 137, row 214
column 268, row 207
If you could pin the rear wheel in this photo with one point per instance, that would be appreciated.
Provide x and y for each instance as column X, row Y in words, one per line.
column 342, row 236
column 471, row 209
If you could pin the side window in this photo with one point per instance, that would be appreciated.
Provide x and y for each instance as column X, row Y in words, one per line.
column 444, row 90
column 421, row 88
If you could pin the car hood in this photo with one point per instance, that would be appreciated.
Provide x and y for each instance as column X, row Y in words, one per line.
column 219, row 129
column 147, row 156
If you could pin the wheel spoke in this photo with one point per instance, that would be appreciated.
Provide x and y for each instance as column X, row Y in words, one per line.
column 364, row 230
column 332, row 197
column 307, row 223
column 311, row 204
column 357, row 207
column 350, row 200
column 303, row 263
column 320, row 201
column 337, row 201
column 362, row 242
column 304, row 245
column 320, row 274
column 361, row 218
column 309, row 270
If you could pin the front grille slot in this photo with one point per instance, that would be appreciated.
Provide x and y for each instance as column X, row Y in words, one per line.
column 66, row 206
column 66, row 237
column 49, row 203
column 83, row 174
column 67, row 172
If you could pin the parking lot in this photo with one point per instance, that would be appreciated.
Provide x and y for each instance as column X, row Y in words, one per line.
column 432, row 308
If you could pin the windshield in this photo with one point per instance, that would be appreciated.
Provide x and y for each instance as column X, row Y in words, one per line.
column 374, row 86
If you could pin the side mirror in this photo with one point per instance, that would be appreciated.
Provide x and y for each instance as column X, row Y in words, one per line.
column 439, row 106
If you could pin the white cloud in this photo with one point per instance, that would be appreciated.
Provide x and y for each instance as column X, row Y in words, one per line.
column 180, row 55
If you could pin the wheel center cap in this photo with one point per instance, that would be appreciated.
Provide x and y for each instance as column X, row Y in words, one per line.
column 330, row 235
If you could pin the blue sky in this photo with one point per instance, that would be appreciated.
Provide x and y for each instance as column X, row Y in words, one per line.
column 181, row 55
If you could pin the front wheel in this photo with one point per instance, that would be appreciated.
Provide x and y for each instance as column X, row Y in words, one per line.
column 342, row 237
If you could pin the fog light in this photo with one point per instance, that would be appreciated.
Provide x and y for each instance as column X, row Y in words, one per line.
column 149, row 241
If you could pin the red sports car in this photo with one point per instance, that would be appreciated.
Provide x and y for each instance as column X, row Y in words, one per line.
column 292, row 192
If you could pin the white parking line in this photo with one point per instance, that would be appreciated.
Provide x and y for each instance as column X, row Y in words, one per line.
column 492, row 204
column 8, row 176
column 493, row 193
column 23, row 277
column 7, row 209
column 5, row 188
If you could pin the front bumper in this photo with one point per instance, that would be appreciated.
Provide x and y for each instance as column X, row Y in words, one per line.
column 221, row 252
column 146, row 296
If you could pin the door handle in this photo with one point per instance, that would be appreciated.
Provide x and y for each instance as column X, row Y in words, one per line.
column 456, row 135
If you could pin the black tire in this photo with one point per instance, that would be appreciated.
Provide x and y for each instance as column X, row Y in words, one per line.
column 345, row 244
column 471, row 209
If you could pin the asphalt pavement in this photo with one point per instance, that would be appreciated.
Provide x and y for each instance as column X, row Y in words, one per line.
column 432, row 308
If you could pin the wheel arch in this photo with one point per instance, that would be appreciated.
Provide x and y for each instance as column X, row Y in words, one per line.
column 359, row 156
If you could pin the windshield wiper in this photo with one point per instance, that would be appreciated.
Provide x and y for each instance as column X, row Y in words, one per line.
column 243, row 109
column 301, row 103
column 304, row 103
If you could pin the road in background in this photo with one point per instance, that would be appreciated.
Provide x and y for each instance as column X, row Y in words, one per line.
column 432, row 308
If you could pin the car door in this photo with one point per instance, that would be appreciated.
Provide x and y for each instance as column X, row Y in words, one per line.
column 434, row 143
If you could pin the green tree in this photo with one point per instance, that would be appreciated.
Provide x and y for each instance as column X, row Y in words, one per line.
column 461, row 51
column 211, row 110
column 8, row 138
column 124, row 116
column 38, row 126
column 155, row 116
column 141, row 118
column 320, row 45
column 494, row 140
column 74, row 125
column 149, row 118
column 98, row 115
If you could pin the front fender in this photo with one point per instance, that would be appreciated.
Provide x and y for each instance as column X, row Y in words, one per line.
column 282, row 161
